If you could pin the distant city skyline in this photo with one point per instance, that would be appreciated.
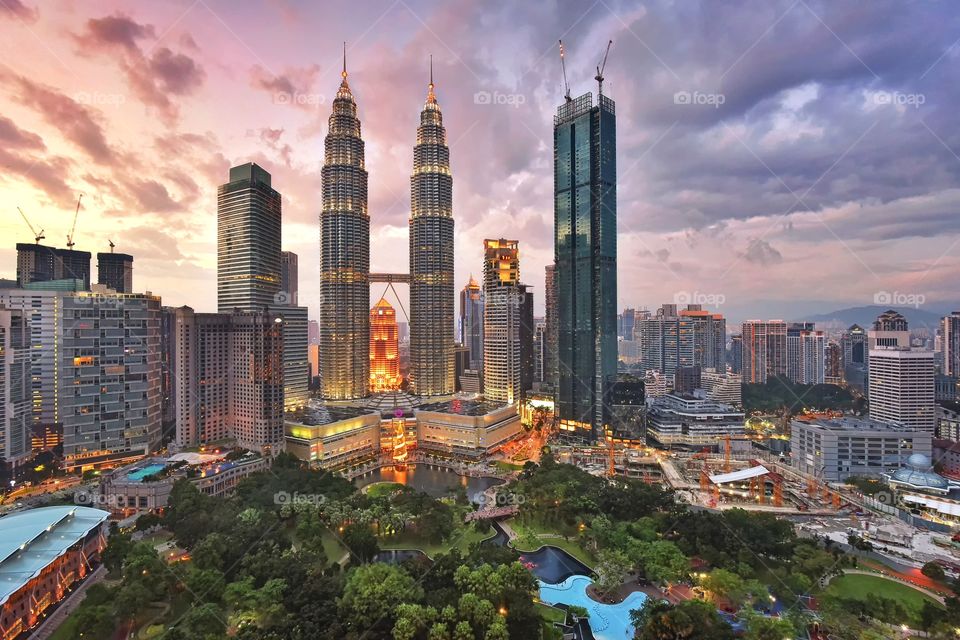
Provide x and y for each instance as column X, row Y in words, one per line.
column 793, row 173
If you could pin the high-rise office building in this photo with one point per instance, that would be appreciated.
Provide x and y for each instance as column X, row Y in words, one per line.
column 15, row 410
column 289, row 278
column 471, row 322
column 950, row 343
column 168, row 323
column 585, row 258
column 736, row 354
column 115, row 271
column 550, row 345
column 833, row 363
column 40, row 263
column 764, row 347
column 539, row 350
column 313, row 332
column 344, row 255
column 384, row 348
column 296, row 354
column 109, row 376
column 228, row 375
column 628, row 322
column 854, row 341
column 901, row 384
column 501, row 320
column 248, row 240
column 431, row 256
column 675, row 338
column 527, row 328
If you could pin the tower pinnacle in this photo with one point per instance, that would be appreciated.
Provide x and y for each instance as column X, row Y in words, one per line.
column 431, row 97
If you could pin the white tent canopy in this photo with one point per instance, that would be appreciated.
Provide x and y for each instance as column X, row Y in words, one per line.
column 739, row 476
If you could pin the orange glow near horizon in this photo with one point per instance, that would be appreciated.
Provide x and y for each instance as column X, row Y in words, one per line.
column 384, row 348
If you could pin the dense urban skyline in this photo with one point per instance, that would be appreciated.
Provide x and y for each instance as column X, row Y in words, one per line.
column 796, row 107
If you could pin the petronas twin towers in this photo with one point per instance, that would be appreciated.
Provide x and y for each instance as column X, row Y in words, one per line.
column 345, row 256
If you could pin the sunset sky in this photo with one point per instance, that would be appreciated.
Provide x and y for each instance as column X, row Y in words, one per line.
column 820, row 166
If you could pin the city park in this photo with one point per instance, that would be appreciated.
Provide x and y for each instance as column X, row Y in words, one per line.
column 532, row 551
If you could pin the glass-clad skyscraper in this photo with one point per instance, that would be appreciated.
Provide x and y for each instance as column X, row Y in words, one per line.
column 432, row 292
column 585, row 257
column 344, row 256
column 248, row 240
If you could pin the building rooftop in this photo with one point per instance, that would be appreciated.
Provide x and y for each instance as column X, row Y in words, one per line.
column 463, row 407
column 315, row 415
column 32, row 539
column 854, row 423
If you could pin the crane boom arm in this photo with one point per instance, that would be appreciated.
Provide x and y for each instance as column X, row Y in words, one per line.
column 37, row 237
column 73, row 228
column 563, row 66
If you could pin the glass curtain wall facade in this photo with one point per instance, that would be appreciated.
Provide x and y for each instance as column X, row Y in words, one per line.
column 585, row 245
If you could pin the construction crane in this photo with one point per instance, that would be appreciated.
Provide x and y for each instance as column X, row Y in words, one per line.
column 601, row 67
column 566, row 85
column 37, row 237
column 111, row 244
column 70, row 242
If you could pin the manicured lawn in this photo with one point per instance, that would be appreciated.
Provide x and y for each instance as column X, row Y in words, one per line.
column 503, row 465
column 332, row 547
column 462, row 538
column 533, row 535
column 857, row 586
column 66, row 630
column 380, row 489
column 551, row 614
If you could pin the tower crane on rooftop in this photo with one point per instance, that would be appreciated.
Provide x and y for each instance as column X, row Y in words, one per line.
column 73, row 228
column 110, row 242
column 601, row 67
column 37, row 237
column 563, row 66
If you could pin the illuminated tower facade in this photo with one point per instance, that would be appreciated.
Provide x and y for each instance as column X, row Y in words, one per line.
column 432, row 291
column 501, row 320
column 384, row 348
column 344, row 255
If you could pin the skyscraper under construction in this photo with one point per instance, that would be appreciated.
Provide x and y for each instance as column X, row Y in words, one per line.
column 344, row 255
column 431, row 256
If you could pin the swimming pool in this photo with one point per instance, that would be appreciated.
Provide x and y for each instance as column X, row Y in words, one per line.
column 607, row 621
column 149, row 470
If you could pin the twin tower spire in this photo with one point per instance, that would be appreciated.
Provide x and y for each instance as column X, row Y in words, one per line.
column 345, row 255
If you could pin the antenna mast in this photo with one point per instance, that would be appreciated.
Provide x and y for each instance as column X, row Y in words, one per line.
column 563, row 66
column 601, row 67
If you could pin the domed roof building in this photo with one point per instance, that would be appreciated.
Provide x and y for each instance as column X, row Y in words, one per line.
column 918, row 475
